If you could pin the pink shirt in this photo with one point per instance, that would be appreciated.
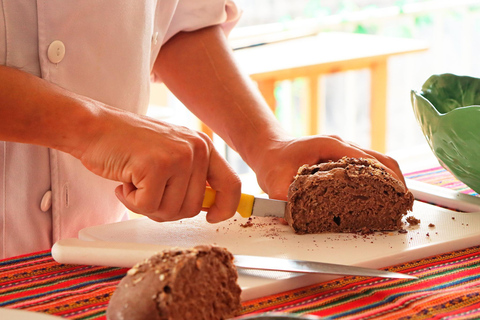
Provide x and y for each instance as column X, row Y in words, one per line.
column 102, row 49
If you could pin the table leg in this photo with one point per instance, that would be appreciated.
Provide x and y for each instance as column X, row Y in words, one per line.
column 312, row 112
column 378, row 105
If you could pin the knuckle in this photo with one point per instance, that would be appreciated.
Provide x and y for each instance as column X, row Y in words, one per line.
column 204, row 137
column 335, row 137
column 181, row 157
column 201, row 148
column 186, row 150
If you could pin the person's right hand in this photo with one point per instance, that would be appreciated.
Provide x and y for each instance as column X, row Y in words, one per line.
column 163, row 168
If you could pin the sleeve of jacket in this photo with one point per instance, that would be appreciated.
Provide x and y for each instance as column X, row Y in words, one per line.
column 192, row 15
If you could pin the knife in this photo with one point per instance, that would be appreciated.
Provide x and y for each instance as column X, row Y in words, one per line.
column 303, row 266
column 250, row 205
column 126, row 255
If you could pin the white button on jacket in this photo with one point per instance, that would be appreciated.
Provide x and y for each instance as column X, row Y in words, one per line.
column 46, row 202
column 103, row 49
column 56, row 51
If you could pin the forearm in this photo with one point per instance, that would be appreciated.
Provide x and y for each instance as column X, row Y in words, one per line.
column 162, row 168
column 37, row 112
column 198, row 67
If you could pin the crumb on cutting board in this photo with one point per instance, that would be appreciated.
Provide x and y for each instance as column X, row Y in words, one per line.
column 413, row 221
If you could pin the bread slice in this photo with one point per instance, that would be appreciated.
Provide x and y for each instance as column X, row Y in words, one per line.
column 349, row 195
column 197, row 283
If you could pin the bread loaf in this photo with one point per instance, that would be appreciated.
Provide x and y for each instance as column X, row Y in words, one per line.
column 198, row 283
column 349, row 195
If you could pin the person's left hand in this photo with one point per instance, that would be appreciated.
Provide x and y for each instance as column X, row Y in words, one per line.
column 277, row 165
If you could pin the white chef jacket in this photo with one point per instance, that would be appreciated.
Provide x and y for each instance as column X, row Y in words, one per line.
column 103, row 49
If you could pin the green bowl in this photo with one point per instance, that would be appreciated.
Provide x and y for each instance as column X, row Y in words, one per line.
column 448, row 111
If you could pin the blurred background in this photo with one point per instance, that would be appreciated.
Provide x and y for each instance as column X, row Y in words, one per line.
column 450, row 29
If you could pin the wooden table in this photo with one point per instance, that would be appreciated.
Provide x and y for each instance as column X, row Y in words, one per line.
column 313, row 56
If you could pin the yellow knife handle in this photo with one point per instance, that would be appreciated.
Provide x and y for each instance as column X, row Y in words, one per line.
column 209, row 198
column 245, row 206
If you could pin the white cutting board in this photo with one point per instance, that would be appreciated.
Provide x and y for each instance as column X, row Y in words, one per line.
column 268, row 237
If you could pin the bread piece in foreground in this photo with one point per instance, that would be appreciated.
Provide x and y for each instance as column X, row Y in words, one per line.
column 198, row 283
column 349, row 195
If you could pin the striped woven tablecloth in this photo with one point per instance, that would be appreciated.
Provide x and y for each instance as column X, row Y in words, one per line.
column 448, row 288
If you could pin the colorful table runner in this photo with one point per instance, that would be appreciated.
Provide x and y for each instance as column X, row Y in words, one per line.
column 440, row 177
column 449, row 286
column 36, row 282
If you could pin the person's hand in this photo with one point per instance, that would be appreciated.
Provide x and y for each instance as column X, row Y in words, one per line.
column 277, row 165
column 164, row 168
